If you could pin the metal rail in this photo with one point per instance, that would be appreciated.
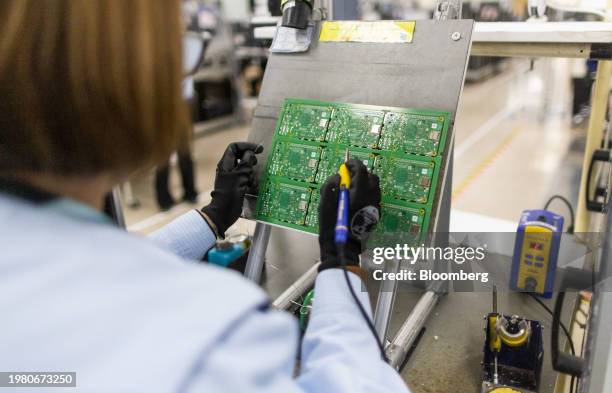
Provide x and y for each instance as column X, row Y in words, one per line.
column 257, row 255
column 585, row 40
column 297, row 289
column 408, row 333
column 386, row 299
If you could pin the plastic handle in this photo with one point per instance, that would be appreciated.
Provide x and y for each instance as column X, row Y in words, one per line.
column 341, row 230
column 591, row 204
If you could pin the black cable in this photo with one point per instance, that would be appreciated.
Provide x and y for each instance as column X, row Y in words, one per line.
column 567, row 334
column 570, row 229
column 364, row 314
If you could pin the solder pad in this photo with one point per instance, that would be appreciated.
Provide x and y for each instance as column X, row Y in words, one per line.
column 404, row 147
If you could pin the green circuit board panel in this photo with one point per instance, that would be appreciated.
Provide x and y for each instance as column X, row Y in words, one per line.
column 355, row 127
column 293, row 199
column 398, row 223
column 413, row 133
column 404, row 179
column 295, row 160
column 306, row 121
column 404, row 147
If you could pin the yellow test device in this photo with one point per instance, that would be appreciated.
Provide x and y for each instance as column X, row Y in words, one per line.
column 536, row 250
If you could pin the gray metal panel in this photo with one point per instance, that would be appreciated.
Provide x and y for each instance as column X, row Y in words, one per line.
column 427, row 73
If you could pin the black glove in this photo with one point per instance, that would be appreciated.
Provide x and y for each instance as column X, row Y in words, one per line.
column 364, row 212
column 234, row 177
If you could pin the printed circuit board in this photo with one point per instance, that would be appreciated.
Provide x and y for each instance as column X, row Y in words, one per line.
column 404, row 147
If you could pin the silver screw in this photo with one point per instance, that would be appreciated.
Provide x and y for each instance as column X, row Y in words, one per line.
column 456, row 36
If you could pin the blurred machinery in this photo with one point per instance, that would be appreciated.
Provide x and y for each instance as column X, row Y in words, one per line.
column 296, row 13
column 481, row 67
column 216, row 81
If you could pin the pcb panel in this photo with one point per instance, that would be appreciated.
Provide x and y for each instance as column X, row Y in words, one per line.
column 295, row 160
column 356, row 127
column 403, row 147
column 285, row 202
column 412, row 133
column 306, row 121
column 404, row 179
column 398, row 224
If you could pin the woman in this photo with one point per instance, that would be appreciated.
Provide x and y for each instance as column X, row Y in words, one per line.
column 90, row 93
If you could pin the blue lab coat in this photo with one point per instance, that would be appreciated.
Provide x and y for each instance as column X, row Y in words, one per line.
column 134, row 314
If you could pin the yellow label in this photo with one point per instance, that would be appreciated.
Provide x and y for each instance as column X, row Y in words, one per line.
column 386, row 31
column 534, row 257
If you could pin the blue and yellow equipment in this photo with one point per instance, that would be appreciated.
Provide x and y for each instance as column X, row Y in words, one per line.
column 536, row 250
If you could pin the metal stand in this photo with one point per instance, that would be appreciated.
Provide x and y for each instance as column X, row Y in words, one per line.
column 386, row 299
column 257, row 255
column 385, row 75
column 405, row 337
column 409, row 331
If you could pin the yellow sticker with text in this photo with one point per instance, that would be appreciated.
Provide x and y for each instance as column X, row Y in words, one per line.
column 386, row 31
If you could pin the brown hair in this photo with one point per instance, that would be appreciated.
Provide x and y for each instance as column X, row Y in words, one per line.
column 89, row 86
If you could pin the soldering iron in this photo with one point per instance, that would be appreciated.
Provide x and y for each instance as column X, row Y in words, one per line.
column 341, row 234
column 341, row 229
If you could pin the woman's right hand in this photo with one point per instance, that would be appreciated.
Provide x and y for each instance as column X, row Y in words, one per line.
column 364, row 212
